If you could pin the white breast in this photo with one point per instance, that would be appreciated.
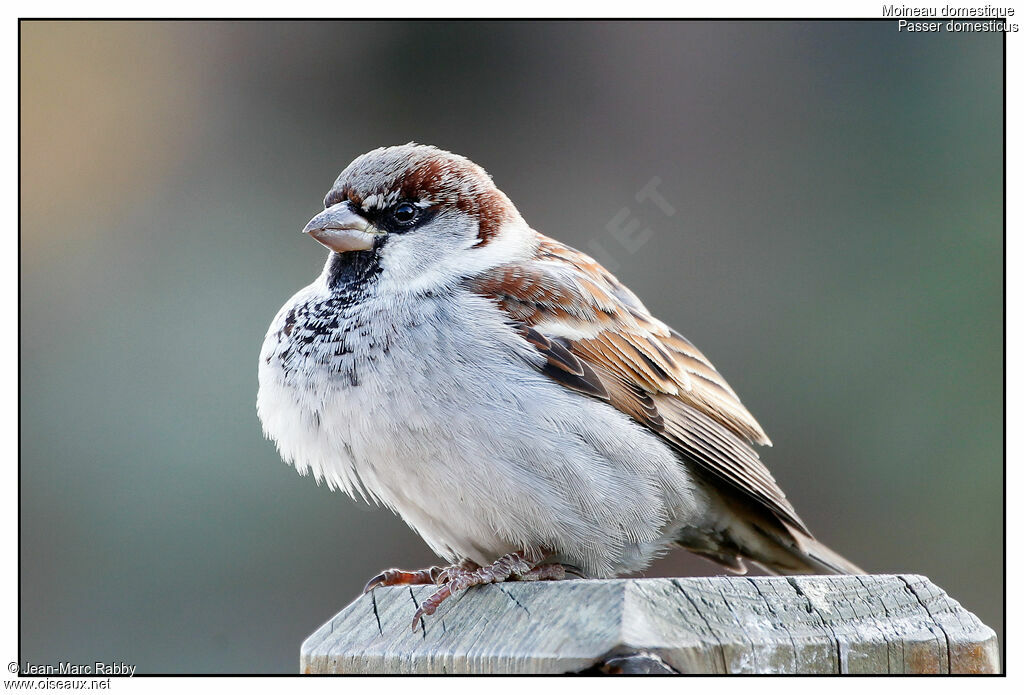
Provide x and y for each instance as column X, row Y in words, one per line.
column 435, row 407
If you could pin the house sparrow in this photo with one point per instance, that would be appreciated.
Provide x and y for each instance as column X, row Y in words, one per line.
column 507, row 396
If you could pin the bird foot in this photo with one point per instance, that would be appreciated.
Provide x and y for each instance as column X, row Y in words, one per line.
column 396, row 577
column 511, row 567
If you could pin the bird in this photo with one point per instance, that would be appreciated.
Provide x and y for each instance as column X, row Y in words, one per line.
column 507, row 396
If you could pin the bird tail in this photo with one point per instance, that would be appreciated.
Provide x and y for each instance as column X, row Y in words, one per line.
column 810, row 556
column 777, row 547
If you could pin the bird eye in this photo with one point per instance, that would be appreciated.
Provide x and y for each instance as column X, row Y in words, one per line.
column 404, row 213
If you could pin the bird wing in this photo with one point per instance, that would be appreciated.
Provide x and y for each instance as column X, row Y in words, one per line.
column 599, row 339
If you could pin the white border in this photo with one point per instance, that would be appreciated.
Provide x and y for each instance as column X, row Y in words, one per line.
column 528, row 8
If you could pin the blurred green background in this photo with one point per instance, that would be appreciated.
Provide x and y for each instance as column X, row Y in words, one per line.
column 836, row 251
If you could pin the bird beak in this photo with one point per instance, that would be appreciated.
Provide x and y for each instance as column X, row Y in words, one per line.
column 341, row 229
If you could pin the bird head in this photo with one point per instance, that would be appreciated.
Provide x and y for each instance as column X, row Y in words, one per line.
column 426, row 216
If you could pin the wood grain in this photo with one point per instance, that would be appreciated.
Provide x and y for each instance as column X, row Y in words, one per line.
column 840, row 624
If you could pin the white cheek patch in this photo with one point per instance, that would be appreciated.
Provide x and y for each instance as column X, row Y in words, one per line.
column 442, row 256
column 514, row 241
column 423, row 259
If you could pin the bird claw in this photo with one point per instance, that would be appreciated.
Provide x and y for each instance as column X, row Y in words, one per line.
column 430, row 606
column 379, row 580
column 574, row 571
column 396, row 577
column 512, row 567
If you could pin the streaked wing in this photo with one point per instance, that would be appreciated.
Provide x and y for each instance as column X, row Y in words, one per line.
column 599, row 339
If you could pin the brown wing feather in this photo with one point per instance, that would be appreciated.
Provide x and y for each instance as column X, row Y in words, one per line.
column 598, row 338
column 564, row 367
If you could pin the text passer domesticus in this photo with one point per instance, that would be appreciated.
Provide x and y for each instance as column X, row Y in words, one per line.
column 509, row 398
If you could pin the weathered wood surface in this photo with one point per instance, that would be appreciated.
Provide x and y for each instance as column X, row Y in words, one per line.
column 846, row 624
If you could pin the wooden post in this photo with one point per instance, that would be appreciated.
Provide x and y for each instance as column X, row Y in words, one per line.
column 843, row 624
